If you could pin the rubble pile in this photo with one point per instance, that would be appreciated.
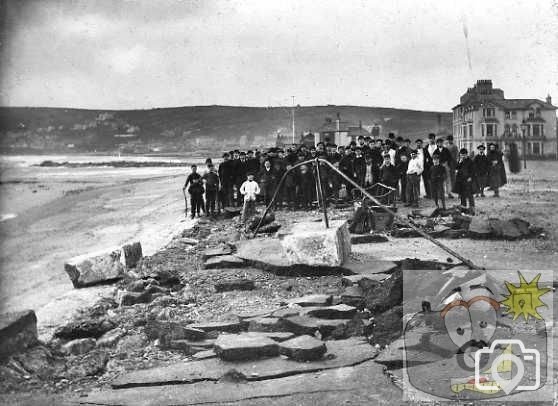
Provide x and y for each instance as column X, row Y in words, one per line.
column 454, row 223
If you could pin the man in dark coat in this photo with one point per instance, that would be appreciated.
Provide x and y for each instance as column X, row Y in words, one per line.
column 428, row 151
column 227, row 181
column 465, row 179
column 445, row 158
column 268, row 180
column 438, row 177
column 482, row 167
column 359, row 167
column 346, row 165
column 495, row 169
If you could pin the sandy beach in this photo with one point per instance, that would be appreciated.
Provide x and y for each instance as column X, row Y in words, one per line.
column 53, row 214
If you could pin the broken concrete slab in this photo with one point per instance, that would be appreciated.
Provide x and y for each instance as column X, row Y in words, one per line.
column 79, row 346
column 242, row 347
column 166, row 330
column 278, row 336
column 353, row 296
column 311, row 300
column 18, row 331
column 340, row 311
column 265, row 324
column 234, row 284
column 90, row 269
column 479, row 227
column 132, row 254
column 205, row 354
column 218, row 251
column 303, row 348
column 218, row 326
column 340, row 353
column 368, row 238
column 312, row 244
column 191, row 347
column 367, row 265
column 131, row 298
column 301, row 325
column 224, row 261
column 110, row 338
column 287, row 312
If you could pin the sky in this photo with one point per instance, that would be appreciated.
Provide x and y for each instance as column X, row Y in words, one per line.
column 126, row 54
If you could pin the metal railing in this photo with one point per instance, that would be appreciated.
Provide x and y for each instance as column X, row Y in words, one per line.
column 316, row 163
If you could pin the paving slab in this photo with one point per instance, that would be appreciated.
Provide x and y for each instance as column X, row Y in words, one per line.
column 269, row 324
column 311, row 300
column 224, row 261
column 278, row 336
column 341, row 353
column 303, row 348
column 218, row 251
column 340, row 311
column 241, row 347
column 220, row 326
column 360, row 384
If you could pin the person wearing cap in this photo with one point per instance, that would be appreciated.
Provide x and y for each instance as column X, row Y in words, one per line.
column 465, row 179
column 414, row 171
column 402, row 171
column 389, row 175
column 481, row 166
column 495, row 168
column 212, row 185
column 421, row 157
column 438, row 176
column 445, row 158
column 225, row 176
column 268, row 181
column 359, row 166
column 249, row 190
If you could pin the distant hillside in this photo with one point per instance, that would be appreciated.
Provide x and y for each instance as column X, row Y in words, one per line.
column 191, row 128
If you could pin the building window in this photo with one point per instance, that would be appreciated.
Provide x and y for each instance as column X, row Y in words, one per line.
column 471, row 130
column 507, row 131
column 507, row 114
column 536, row 148
column 531, row 114
column 537, row 130
column 537, row 112
column 490, row 130
column 514, row 130
column 514, row 114
column 489, row 112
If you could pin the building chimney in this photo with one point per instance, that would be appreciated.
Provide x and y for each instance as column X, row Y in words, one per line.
column 548, row 99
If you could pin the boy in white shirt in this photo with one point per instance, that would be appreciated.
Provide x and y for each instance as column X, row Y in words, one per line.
column 249, row 189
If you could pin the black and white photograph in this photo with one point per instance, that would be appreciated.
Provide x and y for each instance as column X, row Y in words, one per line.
column 278, row 202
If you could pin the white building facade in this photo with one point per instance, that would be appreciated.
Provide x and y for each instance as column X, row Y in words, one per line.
column 484, row 116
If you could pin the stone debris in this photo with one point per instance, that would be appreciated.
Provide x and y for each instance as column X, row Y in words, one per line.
column 303, row 348
column 224, row 261
column 239, row 347
column 96, row 268
column 301, row 325
column 234, row 284
column 191, row 347
column 132, row 298
column 278, row 336
column 218, row 251
column 286, row 312
column 309, row 243
column 218, row 326
column 368, row 238
column 354, row 296
column 132, row 254
column 311, row 300
column 340, row 311
column 265, row 324
column 269, row 228
column 167, row 331
column 110, row 338
column 79, row 346
column 84, row 328
column 205, row 354
column 18, row 331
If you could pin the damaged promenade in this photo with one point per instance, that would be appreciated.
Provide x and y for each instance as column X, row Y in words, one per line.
column 219, row 318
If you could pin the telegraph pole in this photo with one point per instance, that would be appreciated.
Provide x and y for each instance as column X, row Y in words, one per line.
column 293, row 117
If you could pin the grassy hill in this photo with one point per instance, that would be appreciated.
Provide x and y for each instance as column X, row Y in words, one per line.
column 190, row 128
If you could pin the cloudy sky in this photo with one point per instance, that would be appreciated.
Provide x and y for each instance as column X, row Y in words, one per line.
column 125, row 54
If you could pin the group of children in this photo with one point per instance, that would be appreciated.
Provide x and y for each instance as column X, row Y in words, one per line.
column 246, row 178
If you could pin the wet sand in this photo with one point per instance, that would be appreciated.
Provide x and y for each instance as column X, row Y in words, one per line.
column 35, row 244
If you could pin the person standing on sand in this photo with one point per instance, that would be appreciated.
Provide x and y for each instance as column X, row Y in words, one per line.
column 194, row 175
column 211, row 180
column 464, row 179
column 249, row 189
column 414, row 170
column 196, row 196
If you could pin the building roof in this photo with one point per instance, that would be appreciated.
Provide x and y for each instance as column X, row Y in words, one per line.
column 511, row 104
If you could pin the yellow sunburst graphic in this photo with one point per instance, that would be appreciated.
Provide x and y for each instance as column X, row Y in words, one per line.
column 525, row 298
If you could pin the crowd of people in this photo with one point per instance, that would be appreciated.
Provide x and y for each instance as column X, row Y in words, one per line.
column 244, row 178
